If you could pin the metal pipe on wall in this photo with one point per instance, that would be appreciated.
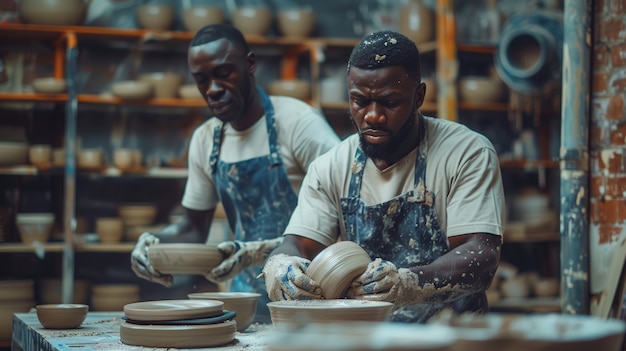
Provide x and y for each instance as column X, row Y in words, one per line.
column 574, row 157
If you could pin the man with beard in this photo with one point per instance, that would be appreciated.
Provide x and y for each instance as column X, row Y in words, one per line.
column 423, row 197
column 252, row 158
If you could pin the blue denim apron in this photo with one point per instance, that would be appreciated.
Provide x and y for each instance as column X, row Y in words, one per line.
column 404, row 230
column 258, row 200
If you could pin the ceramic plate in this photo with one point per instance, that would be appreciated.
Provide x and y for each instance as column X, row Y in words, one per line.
column 227, row 315
column 178, row 336
column 167, row 310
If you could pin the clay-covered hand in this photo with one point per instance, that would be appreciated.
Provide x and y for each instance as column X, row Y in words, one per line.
column 285, row 279
column 140, row 262
column 239, row 255
column 383, row 281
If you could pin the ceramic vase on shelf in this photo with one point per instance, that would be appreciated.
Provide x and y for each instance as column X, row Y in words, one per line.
column 416, row 21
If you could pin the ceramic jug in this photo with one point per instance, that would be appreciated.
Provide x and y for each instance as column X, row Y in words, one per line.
column 416, row 21
column 529, row 53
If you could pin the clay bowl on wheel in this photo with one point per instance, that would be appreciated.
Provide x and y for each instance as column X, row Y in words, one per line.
column 184, row 258
column 243, row 303
column 337, row 266
column 61, row 316
column 287, row 314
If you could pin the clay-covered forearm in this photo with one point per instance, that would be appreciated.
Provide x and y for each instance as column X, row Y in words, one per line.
column 294, row 245
column 466, row 269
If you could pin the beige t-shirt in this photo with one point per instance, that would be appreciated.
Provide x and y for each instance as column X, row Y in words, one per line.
column 303, row 134
column 462, row 171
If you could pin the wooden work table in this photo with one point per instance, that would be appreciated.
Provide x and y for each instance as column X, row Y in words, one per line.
column 101, row 331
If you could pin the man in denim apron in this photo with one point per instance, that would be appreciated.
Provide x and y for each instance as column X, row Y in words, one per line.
column 423, row 197
column 252, row 158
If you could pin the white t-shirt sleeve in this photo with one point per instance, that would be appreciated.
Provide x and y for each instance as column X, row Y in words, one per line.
column 200, row 193
column 475, row 199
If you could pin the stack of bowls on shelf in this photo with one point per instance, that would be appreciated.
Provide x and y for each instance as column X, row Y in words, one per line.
column 113, row 297
column 49, row 291
column 16, row 296
column 35, row 227
column 177, row 324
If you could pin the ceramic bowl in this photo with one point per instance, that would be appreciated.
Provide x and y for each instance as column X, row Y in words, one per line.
column 58, row 157
column 137, row 214
column 90, row 158
column 49, row 85
column 155, row 16
column 516, row 287
column 337, row 266
column 184, row 258
column 252, row 20
column 132, row 90
column 299, row 89
column 13, row 153
column 296, row 22
column 243, row 303
column 478, row 89
column 53, row 12
column 196, row 17
column 34, row 227
column 189, row 91
column 40, row 154
column 164, row 84
column 294, row 313
column 123, row 158
column 546, row 287
column 61, row 316
column 109, row 229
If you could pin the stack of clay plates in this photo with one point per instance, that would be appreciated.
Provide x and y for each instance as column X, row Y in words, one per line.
column 177, row 324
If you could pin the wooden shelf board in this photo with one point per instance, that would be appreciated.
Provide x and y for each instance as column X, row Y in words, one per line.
column 161, row 102
column 527, row 304
column 99, row 247
column 529, row 164
column 18, row 170
column 27, row 248
column 486, row 106
column 476, row 48
column 33, row 97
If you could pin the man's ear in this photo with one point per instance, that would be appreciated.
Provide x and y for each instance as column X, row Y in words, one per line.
column 420, row 94
column 251, row 62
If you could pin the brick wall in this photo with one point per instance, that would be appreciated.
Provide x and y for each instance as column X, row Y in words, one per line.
column 607, row 136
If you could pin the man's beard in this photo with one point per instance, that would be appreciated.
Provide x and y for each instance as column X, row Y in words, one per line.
column 387, row 150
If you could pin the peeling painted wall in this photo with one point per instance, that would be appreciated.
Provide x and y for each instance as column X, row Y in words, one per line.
column 607, row 138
